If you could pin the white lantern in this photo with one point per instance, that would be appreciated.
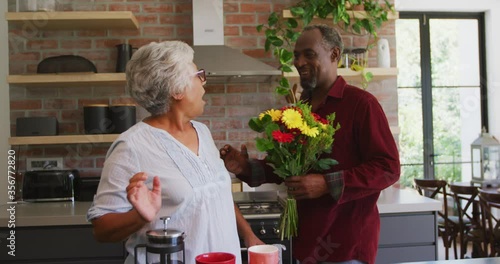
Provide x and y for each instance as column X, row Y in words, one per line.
column 485, row 153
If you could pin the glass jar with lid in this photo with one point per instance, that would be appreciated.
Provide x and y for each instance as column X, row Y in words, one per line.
column 36, row 5
column 359, row 57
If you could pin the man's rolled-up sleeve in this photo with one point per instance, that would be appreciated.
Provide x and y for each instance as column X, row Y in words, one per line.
column 335, row 182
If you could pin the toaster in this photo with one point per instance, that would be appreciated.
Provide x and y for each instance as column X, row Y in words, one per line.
column 49, row 185
column 85, row 188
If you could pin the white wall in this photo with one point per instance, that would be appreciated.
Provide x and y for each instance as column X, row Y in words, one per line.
column 4, row 102
column 491, row 8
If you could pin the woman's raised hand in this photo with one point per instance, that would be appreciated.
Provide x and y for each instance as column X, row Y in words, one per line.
column 146, row 202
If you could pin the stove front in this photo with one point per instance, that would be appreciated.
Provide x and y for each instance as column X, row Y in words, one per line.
column 262, row 210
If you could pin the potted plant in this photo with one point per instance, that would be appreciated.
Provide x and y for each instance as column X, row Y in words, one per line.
column 281, row 33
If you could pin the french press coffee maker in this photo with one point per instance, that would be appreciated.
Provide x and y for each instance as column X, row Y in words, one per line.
column 165, row 243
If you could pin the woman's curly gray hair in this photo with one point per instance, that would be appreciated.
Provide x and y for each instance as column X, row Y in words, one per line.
column 157, row 72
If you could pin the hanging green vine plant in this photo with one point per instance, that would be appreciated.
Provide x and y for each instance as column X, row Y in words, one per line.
column 281, row 33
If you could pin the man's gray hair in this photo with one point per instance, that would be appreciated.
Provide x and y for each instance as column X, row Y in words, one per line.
column 157, row 72
column 331, row 37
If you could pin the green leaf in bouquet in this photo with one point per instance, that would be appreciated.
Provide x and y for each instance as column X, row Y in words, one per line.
column 264, row 144
column 285, row 152
column 270, row 128
column 337, row 127
column 256, row 124
column 259, row 125
column 273, row 159
column 325, row 164
column 331, row 117
column 266, row 119
column 295, row 168
column 280, row 171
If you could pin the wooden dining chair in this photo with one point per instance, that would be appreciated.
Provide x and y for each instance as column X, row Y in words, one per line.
column 448, row 226
column 490, row 206
column 469, row 216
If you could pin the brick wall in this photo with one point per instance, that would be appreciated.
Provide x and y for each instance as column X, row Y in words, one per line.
column 229, row 106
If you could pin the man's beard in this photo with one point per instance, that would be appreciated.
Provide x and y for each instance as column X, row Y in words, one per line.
column 309, row 84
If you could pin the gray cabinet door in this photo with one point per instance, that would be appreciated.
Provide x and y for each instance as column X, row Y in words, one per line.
column 405, row 254
column 60, row 244
column 407, row 229
column 407, row 237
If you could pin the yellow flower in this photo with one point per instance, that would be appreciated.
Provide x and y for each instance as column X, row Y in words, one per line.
column 309, row 131
column 292, row 118
column 275, row 114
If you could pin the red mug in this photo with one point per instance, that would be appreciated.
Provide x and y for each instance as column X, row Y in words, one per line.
column 215, row 258
column 263, row 254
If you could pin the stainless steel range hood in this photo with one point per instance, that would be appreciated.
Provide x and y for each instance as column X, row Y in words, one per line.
column 224, row 64
column 221, row 63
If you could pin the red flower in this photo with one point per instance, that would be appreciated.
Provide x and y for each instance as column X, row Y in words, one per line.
column 319, row 119
column 295, row 131
column 298, row 109
column 282, row 137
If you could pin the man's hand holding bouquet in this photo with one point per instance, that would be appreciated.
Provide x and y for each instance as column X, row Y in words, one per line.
column 294, row 139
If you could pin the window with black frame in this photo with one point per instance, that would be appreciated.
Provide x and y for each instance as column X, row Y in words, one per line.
column 441, row 93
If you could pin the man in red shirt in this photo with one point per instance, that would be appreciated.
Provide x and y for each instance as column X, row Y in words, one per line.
column 338, row 216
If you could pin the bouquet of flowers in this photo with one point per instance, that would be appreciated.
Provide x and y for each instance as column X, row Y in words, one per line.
column 294, row 139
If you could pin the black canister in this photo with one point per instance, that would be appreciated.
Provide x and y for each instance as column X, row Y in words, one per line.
column 122, row 117
column 96, row 119
column 124, row 54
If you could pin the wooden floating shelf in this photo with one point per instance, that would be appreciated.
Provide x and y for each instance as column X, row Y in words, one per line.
column 354, row 14
column 378, row 73
column 75, row 20
column 67, row 79
column 81, row 139
column 64, row 139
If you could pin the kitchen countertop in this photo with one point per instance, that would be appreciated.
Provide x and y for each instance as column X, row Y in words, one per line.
column 46, row 214
column 460, row 261
column 392, row 200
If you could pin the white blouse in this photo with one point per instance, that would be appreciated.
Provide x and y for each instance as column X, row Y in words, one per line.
column 196, row 190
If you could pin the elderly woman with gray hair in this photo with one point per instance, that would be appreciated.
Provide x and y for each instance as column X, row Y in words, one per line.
column 168, row 164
